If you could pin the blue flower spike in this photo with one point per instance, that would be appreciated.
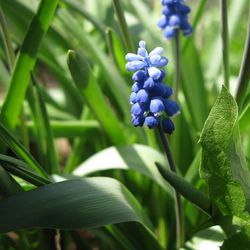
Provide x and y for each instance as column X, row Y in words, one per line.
column 149, row 97
column 174, row 17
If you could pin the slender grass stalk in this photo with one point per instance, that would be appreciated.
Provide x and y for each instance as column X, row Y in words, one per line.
column 244, row 76
column 178, row 205
column 225, row 43
column 177, row 65
column 6, row 40
column 124, row 27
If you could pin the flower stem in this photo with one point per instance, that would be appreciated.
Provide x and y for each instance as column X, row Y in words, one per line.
column 178, row 205
column 244, row 71
column 224, row 33
column 177, row 65
column 124, row 27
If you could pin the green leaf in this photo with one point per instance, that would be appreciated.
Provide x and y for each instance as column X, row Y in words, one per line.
column 241, row 238
column 186, row 189
column 136, row 157
column 223, row 164
column 74, row 204
column 114, row 80
column 26, row 61
column 22, row 170
column 210, row 238
column 85, row 81
column 20, row 150
column 244, row 119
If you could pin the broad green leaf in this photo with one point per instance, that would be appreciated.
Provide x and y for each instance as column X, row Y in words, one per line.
column 223, row 164
column 210, row 238
column 26, row 61
column 136, row 157
column 74, row 204
column 85, row 81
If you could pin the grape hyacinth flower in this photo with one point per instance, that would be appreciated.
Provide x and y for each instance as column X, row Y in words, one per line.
column 149, row 97
column 174, row 17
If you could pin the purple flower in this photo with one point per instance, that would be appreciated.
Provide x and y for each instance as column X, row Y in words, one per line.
column 149, row 97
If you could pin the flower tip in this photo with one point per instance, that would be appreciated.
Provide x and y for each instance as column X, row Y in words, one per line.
column 168, row 126
column 142, row 44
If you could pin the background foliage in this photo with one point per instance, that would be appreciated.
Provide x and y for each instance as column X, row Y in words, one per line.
column 74, row 172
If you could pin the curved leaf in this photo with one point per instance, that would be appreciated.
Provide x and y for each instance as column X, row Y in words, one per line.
column 136, row 157
column 25, row 62
column 223, row 161
column 73, row 204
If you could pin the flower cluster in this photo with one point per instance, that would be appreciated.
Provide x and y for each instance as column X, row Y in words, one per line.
column 149, row 97
column 175, row 16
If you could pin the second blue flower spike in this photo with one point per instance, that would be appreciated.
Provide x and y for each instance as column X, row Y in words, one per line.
column 174, row 17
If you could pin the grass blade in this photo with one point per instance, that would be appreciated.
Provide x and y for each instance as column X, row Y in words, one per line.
column 25, row 62
column 6, row 39
column 20, row 150
column 22, row 170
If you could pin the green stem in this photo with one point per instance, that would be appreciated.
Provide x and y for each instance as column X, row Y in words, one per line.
column 244, row 72
column 124, row 27
column 225, row 39
column 177, row 65
column 178, row 205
